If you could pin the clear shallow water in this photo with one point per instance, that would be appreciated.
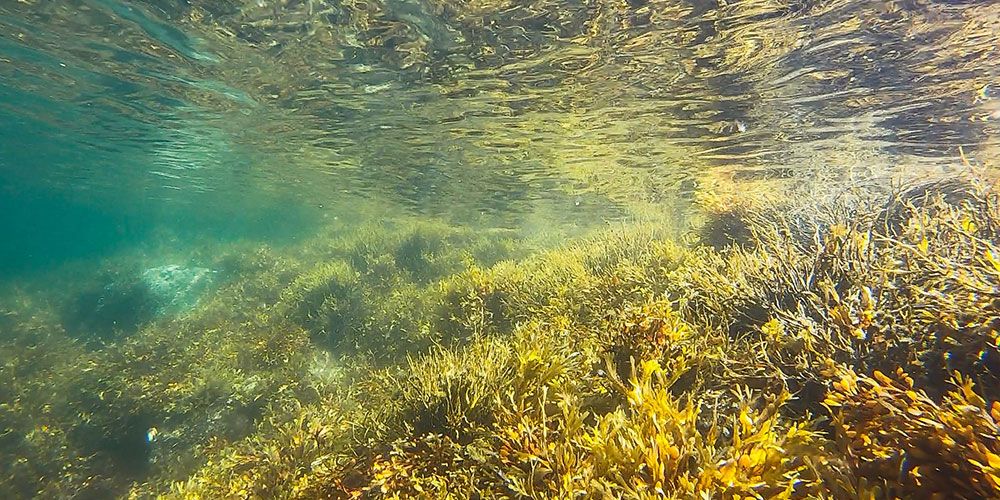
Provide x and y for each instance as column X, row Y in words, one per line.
column 483, row 107
column 171, row 129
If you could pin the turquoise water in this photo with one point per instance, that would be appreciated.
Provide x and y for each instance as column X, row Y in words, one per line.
column 157, row 154
column 145, row 108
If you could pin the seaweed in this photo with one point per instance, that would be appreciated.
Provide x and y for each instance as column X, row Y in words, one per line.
column 621, row 364
column 908, row 445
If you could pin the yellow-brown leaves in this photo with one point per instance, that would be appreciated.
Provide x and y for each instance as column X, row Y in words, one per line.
column 773, row 330
column 766, row 460
column 650, row 330
column 659, row 445
column 897, row 435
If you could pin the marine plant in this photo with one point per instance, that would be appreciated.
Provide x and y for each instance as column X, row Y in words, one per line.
column 907, row 445
column 624, row 364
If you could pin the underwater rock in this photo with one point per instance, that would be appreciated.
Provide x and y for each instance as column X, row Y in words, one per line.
column 175, row 288
column 123, row 305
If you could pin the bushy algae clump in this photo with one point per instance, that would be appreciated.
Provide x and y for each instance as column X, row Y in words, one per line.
column 85, row 415
column 630, row 366
column 841, row 350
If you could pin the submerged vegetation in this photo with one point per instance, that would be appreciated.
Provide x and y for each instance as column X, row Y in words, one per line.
column 768, row 321
column 844, row 349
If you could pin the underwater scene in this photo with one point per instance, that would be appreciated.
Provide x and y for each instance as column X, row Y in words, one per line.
column 522, row 249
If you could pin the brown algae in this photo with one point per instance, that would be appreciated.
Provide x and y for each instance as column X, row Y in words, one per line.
column 851, row 357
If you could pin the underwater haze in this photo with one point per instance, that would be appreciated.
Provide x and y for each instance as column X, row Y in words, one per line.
column 499, row 249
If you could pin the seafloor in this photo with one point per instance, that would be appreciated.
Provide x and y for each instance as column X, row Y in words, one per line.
column 844, row 349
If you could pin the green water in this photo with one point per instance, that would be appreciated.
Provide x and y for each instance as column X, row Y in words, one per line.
column 184, row 167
